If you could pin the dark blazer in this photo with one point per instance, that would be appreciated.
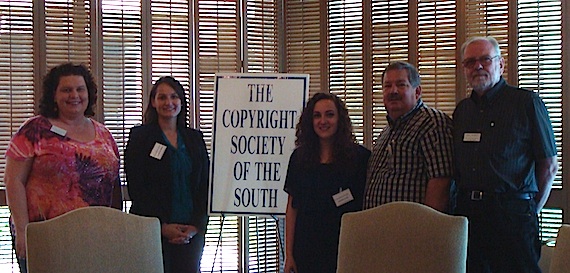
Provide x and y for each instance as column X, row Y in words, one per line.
column 149, row 180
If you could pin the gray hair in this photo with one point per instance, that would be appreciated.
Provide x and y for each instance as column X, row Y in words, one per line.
column 489, row 39
column 413, row 75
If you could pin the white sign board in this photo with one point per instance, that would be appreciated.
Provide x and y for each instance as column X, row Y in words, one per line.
column 255, row 116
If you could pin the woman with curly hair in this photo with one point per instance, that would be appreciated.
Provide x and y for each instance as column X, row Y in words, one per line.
column 61, row 159
column 325, row 178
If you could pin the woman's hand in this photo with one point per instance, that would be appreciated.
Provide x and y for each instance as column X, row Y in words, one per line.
column 178, row 234
column 16, row 177
column 290, row 220
column 290, row 265
column 21, row 245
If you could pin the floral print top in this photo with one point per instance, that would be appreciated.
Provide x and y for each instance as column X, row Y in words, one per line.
column 66, row 174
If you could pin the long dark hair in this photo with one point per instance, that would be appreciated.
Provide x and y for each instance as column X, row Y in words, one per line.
column 48, row 107
column 151, row 116
column 307, row 141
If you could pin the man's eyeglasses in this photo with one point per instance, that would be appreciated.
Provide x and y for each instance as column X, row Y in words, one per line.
column 484, row 61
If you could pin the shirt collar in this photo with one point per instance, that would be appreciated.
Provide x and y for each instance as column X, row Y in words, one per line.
column 407, row 115
column 490, row 94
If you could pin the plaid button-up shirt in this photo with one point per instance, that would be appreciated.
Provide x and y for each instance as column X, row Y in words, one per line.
column 411, row 150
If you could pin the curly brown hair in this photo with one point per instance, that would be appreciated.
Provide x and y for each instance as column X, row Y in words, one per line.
column 307, row 141
column 48, row 107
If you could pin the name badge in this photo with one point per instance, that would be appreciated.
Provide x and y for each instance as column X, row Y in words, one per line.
column 158, row 151
column 472, row 137
column 343, row 197
column 57, row 130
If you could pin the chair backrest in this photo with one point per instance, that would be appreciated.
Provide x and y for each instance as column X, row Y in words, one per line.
column 402, row 237
column 545, row 257
column 560, row 261
column 95, row 239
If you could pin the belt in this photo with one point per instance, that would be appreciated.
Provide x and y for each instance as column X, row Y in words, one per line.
column 482, row 195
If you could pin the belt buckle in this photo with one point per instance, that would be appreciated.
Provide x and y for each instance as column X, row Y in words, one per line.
column 476, row 195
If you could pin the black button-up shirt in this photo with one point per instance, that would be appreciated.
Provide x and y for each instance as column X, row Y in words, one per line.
column 498, row 138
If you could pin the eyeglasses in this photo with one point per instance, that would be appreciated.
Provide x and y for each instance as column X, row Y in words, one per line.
column 484, row 61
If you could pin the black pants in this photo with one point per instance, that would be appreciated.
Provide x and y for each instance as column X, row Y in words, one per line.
column 503, row 235
column 183, row 258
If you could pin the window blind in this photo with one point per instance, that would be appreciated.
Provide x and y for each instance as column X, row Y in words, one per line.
column 261, row 56
column 16, row 71
column 122, row 69
column 262, row 36
column 171, row 42
column 550, row 220
column 264, row 254
column 436, row 53
column 390, row 42
column 303, row 40
column 192, row 40
column 489, row 18
column 540, row 69
column 540, row 60
column 67, row 32
column 8, row 262
column 218, row 50
column 345, row 61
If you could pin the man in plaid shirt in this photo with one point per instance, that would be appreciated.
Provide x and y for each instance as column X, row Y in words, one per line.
column 412, row 157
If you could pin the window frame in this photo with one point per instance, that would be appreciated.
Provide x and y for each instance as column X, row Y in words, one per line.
column 308, row 51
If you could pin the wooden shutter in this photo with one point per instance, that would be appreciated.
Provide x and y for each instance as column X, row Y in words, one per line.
column 303, row 40
column 390, row 42
column 16, row 71
column 261, row 44
column 67, row 32
column 218, row 50
column 539, row 69
column 16, row 95
column 122, row 69
column 436, row 42
column 488, row 18
column 345, row 60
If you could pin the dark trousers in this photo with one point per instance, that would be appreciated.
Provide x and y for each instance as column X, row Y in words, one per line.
column 183, row 258
column 503, row 235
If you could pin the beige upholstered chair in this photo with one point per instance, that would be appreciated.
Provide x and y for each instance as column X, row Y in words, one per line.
column 560, row 261
column 402, row 237
column 545, row 257
column 95, row 239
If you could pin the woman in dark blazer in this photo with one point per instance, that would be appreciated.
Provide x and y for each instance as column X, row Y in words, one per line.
column 166, row 164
